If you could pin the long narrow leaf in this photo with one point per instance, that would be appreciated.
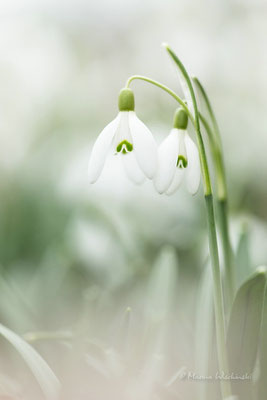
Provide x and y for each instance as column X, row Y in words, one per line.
column 243, row 259
column 42, row 372
column 162, row 285
column 244, row 332
column 204, row 329
column 262, row 384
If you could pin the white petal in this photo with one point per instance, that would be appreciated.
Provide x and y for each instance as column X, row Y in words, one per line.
column 176, row 182
column 193, row 167
column 144, row 145
column 100, row 150
column 167, row 160
column 131, row 167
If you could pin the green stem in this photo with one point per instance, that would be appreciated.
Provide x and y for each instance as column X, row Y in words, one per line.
column 215, row 133
column 217, row 154
column 163, row 87
column 217, row 282
column 218, row 298
column 227, row 251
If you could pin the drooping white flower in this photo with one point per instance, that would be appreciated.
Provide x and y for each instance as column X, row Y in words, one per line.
column 127, row 138
column 178, row 159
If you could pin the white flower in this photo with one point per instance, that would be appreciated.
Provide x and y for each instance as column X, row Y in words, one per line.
column 178, row 160
column 127, row 138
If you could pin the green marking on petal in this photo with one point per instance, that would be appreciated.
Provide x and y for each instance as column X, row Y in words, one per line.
column 124, row 147
column 181, row 162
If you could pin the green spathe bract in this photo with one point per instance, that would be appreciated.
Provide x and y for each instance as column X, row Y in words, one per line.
column 126, row 100
column 180, row 120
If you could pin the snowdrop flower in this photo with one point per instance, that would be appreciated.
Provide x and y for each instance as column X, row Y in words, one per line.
column 178, row 159
column 127, row 138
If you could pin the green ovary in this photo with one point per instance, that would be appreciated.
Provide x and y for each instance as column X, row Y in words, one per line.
column 181, row 162
column 124, row 147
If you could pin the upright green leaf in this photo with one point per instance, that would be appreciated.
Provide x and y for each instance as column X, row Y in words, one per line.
column 158, row 311
column 162, row 285
column 42, row 372
column 204, row 330
column 262, row 383
column 243, row 259
column 244, row 332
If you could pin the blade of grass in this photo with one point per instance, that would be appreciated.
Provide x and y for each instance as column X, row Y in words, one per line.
column 39, row 368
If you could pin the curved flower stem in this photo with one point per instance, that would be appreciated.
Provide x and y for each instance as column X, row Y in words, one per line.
column 163, row 87
column 217, row 283
column 222, row 197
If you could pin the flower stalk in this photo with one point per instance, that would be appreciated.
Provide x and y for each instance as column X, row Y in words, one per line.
column 217, row 281
column 163, row 87
column 221, row 193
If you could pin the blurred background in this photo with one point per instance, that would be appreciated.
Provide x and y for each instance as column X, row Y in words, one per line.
column 85, row 261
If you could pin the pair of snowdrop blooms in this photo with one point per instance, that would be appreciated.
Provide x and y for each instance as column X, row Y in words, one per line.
column 176, row 160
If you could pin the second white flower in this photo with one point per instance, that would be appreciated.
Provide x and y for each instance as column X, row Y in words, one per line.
column 178, row 159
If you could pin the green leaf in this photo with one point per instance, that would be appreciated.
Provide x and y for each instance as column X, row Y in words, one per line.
column 244, row 332
column 162, row 285
column 243, row 259
column 42, row 372
column 262, row 384
column 204, row 330
column 159, row 309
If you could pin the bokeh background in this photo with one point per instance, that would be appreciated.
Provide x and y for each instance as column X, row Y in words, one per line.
column 74, row 257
